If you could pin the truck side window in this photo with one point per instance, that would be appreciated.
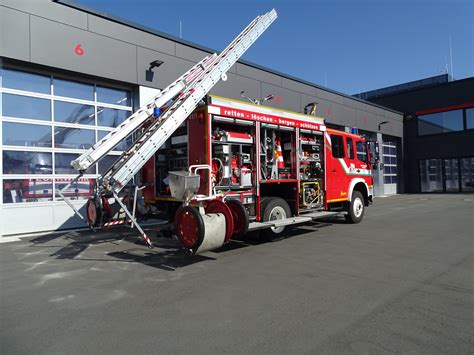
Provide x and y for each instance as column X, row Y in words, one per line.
column 361, row 151
column 350, row 148
column 337, row 146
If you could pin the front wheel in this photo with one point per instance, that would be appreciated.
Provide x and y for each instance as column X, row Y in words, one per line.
column 356, row 209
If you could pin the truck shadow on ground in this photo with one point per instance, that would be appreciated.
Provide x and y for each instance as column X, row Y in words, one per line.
column 168, row 260
column 167, row 253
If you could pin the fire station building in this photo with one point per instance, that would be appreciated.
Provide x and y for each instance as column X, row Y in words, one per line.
column 69, row 75
column 439, row 132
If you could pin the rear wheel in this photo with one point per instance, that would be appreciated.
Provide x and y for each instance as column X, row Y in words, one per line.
column 93, row 212
column 356, row 209
column 274, row 209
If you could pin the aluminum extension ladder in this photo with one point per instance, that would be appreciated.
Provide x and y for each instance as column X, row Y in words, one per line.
column 185, row 93
column 153, row 138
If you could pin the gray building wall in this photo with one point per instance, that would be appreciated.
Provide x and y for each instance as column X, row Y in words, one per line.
column 47, row 33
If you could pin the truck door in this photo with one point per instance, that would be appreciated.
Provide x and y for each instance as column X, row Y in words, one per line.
column 336, row 189
column 362, row 163
column 349, row 166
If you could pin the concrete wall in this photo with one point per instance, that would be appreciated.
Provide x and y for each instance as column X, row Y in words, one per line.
column 49, row 33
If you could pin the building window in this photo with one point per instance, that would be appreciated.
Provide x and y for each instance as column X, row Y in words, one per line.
column 83, row 188
column 26, row 135
column 21, row 162
column 467, row 174
column 109, row 117
column 114, row 96
column 62, row 164
column 431, row 175
column 73, row 89
column 123, row 145
column 20, row 80
column 46, row 122
column 70, row 112
column 447, row 175
column 470, row 118
column 20, row 106
column 389, row 150
column 73, row 138
column 441, row 122
column 27, row 190
column 451, row 175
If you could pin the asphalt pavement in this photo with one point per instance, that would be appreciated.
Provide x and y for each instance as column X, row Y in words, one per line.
column 399, row 282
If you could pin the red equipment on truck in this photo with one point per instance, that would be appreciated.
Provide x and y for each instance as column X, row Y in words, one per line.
column 258, row 168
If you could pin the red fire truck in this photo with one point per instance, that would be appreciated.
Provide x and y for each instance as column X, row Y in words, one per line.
column 255, row 167
column 222, row 167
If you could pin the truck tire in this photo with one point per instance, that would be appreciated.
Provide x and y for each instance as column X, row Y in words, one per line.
column 241, row 217
column 93, row 212
column 274, row 208
column 356, row 209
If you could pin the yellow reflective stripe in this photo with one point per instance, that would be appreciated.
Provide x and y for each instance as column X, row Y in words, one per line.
column 338, row 200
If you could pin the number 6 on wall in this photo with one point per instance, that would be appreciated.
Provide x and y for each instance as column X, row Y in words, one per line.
column 79, row 50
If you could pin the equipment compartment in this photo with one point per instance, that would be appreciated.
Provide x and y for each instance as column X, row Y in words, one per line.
column 233, row 155
column 311, row 154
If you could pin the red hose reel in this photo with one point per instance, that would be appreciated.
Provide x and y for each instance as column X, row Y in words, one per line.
column 200, row 231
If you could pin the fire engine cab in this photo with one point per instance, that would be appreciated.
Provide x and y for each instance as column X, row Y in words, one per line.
column 240, row 167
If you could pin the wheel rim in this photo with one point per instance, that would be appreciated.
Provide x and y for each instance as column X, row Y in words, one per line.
column 188, row 231
column 358, row 207
column 277, row 213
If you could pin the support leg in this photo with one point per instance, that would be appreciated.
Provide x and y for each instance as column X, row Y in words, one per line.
column 127, row 212
column 135, row 202
column 60, row 192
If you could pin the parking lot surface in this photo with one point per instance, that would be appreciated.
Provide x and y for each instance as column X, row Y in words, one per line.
column 401, row 281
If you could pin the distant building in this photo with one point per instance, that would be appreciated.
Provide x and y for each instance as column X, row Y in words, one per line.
column 438, row 132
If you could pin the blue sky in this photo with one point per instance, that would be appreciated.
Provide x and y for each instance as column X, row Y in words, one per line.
column 351, row 46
